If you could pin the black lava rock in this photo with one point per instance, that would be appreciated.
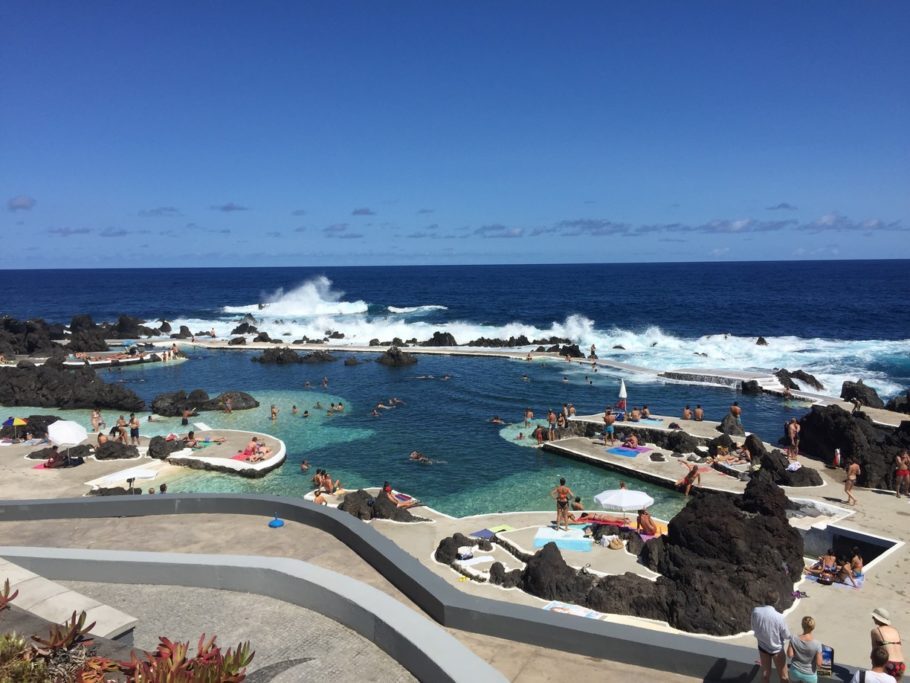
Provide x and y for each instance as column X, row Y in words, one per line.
column 395, row 357
column 858, row 391
column 51, row 385
column 440, row 339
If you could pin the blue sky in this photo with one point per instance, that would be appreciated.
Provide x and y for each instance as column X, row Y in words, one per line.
column 348, row 133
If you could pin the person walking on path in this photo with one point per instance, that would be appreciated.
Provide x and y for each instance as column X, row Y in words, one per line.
column 772, row 635
column 886, row 636
column 902, row 474
column 876, row 674
column 563, row 494
column 805, row 654
column 850, row 481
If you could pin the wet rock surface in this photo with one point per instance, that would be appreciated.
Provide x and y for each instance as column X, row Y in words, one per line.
column 859, row 391
column 395, row 357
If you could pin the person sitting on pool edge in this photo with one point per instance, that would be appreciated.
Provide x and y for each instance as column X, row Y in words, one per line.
column 630, row 442
column 646, row 525
column 387, row 492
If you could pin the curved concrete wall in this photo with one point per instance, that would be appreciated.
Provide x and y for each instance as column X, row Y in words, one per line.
column 675, row 652
column 426, row 650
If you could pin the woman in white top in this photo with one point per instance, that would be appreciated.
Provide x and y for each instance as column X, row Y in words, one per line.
column 805, row 654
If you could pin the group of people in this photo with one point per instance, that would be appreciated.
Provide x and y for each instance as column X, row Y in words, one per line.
column 255, row 451
column 567, row 504
column 124, row 431
column 798, row 658
column 698, row 414
column 830, row 568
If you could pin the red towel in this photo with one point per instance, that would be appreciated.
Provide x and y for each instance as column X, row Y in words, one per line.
column 240, row 456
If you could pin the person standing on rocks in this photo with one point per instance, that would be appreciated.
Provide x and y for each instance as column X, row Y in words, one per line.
column 772, row 634
column 850, row 481
column 563, row 494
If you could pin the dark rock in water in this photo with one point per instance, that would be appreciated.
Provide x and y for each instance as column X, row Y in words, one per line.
column 825, row 428
column 164, row 327
column 318, row 357
column 74, row 452
column 571, row 350
column 540, row 349
column 262, row 337
column 761, row 341
column 244, row 328
column 374, row 342
column 85, row 335
column 184, row 333
column 37, row 426
column 900, row 403
column 114, row 450
column 54, row 386
column 750, row 387
column 351, row 361
column 395, row 357
column 440, row 339
column 619, row 347
column 237, row 341
column 730, row 426
column 807, row 379
column 723, row 441
column 160, row 448
column 282, row 356
column 866, row 395
column 500, row 577
column 173, row 404
column 547, row 576
column 335, row 335
column 25, row 337
column 128, row 327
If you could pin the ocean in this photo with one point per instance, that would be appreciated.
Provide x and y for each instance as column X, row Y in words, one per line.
column 837, row 320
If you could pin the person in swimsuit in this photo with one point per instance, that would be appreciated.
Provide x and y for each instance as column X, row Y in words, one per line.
column 134, row 429
column 687, row 413
column 793, row 437
column 826, row 564
column 692, row 477
column 885, row 635
column 562, row 494
column 736, row 412
column 645, row 523
column 902, row 474
column 609, row 429
column 699, row 413
column 551, row 421
column 850, row 481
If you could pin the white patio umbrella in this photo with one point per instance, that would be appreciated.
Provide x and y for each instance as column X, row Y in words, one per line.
column 623, row 499
column 66, row 433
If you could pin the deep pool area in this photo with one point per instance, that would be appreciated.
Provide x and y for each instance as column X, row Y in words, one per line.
column 447, row 405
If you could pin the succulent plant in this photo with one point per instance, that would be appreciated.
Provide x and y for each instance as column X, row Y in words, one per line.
column 5, row 597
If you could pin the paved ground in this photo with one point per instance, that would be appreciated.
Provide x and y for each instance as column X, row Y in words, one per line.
column 291, row 643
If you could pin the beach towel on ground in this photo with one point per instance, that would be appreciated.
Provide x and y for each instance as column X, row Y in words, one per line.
column 837, row 584
column 501, row 528
column 482, row 533
column 623, row 451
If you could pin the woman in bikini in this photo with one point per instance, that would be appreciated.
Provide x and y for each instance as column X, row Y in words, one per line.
column 563, row 494
column 885, row 635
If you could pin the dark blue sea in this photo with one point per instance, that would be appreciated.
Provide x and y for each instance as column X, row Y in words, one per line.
column 838, row 320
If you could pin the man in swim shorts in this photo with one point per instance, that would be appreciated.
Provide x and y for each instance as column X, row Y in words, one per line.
column 772, row 634
column 609, row 428
column 902, row 474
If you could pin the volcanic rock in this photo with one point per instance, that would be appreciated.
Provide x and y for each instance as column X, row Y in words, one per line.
column 440, row 339
column 37, row 425
column 174, row 403
column 395, row 357
column 723, row 441
column 128, row 328
column 262, row 337
column 619, row 347
column 244, row 328
column 160, row 448
column 114, row 450
column 351, row 361
column 81, row 451
column 500, row 577
column 571, row 350
column 164, row 327
column 776, row 464
column 730, row 426
column 53, row 386
column 237, row 341
column 825, row 428
column 85, row 335
column 866, row 395
column 761, row 341
column 282, row 356
column 184, row 333
column 750, row 387
column 547, row 576
column 318, row 357
column 25, row 337
column 364, row 506
column 899, row 404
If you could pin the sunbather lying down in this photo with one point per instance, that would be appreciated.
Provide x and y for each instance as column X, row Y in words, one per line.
column 255, row 451
column 192, row 442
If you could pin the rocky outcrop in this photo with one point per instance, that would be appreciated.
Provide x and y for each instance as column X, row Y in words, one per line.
column 447, row 550
column 281, row 356
column 513, row 341
column 440, row 339
column 776, row 463
column 128, row 327
column 262, row 337
column 761, row 341
column 787, row 377
column 53, row 386
column 237, row 341
column 349, row 362
column 500, row 577
column 74, row 452
column 825, row 428
column 160, row 448
column 571, row 350
column 750, row 387
column 364, row 506
column 183, row 333
column 164, row 327
column 114, row 450
column 25, row 337
column 900, row 403
column 174, row 403
column 730, row 426
column 244, row 328
column 857, row 391
column 37, row 426
column 395, row 357
column 318, row 357
column 85, row 335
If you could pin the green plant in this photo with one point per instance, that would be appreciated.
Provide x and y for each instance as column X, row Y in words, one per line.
column 5, row 597
column 17, row 661
column 170, row 663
